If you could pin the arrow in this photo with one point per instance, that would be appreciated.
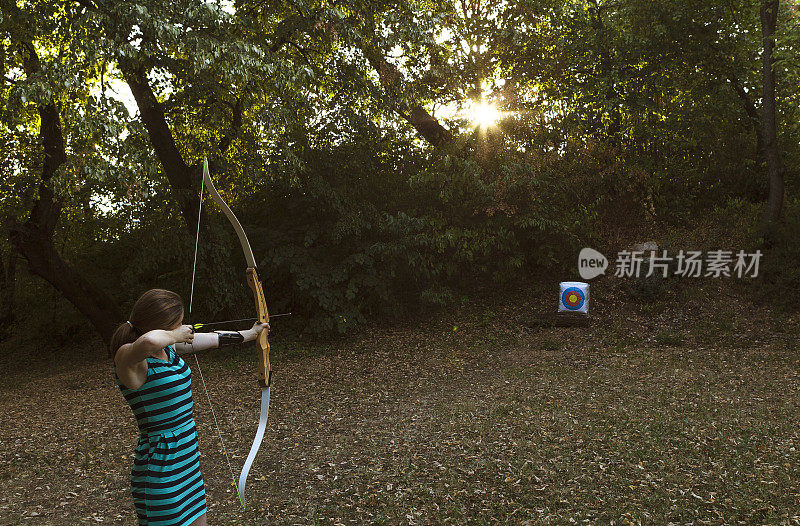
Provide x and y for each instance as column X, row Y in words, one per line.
column 199, row 325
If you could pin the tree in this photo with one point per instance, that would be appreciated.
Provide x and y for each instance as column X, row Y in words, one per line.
column 775, row 169
column 33, row 236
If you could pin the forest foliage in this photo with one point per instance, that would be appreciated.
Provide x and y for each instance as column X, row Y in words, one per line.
column 340, row 133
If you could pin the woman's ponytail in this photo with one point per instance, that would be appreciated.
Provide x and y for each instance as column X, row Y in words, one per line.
column 125, row 333
column 155, row 309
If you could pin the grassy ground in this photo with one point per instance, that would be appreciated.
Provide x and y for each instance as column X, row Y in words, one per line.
column 681, row 411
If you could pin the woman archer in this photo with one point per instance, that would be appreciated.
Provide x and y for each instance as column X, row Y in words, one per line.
column 166, row 482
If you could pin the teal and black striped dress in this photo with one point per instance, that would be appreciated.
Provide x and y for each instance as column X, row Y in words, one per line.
column 166, row 482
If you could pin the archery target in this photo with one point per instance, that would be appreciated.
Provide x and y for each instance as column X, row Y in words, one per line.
column 574, row 297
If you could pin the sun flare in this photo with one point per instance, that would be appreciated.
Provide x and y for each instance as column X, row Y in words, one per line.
column 484, row 114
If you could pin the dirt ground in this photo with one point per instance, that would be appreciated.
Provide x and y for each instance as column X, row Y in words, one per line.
column 677, row 411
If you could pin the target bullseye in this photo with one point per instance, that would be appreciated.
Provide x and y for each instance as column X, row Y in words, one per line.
column 574, row 297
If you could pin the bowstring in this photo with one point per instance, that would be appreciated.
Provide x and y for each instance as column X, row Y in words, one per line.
column 216, row 424
column 196, row 243
column 196, row 360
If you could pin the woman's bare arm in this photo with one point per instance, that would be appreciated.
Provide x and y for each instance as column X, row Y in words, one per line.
column 204, row 341
column 131, row 358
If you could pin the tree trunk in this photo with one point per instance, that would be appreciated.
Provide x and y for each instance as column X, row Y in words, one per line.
column 8, row 277
column 391, row 79
column 418, row 117
column 45, row 261
column 775, row 168
column 175, row 168
column 752, row 112
column 34, row 238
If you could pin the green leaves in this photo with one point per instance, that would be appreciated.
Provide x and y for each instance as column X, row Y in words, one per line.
column 351, row 210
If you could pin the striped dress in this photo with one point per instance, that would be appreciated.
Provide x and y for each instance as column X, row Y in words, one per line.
column 166, row 482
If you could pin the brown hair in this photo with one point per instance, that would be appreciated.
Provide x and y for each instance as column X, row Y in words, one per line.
column 155, row 309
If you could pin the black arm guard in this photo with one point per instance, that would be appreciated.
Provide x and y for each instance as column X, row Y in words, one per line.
column 229, row 338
